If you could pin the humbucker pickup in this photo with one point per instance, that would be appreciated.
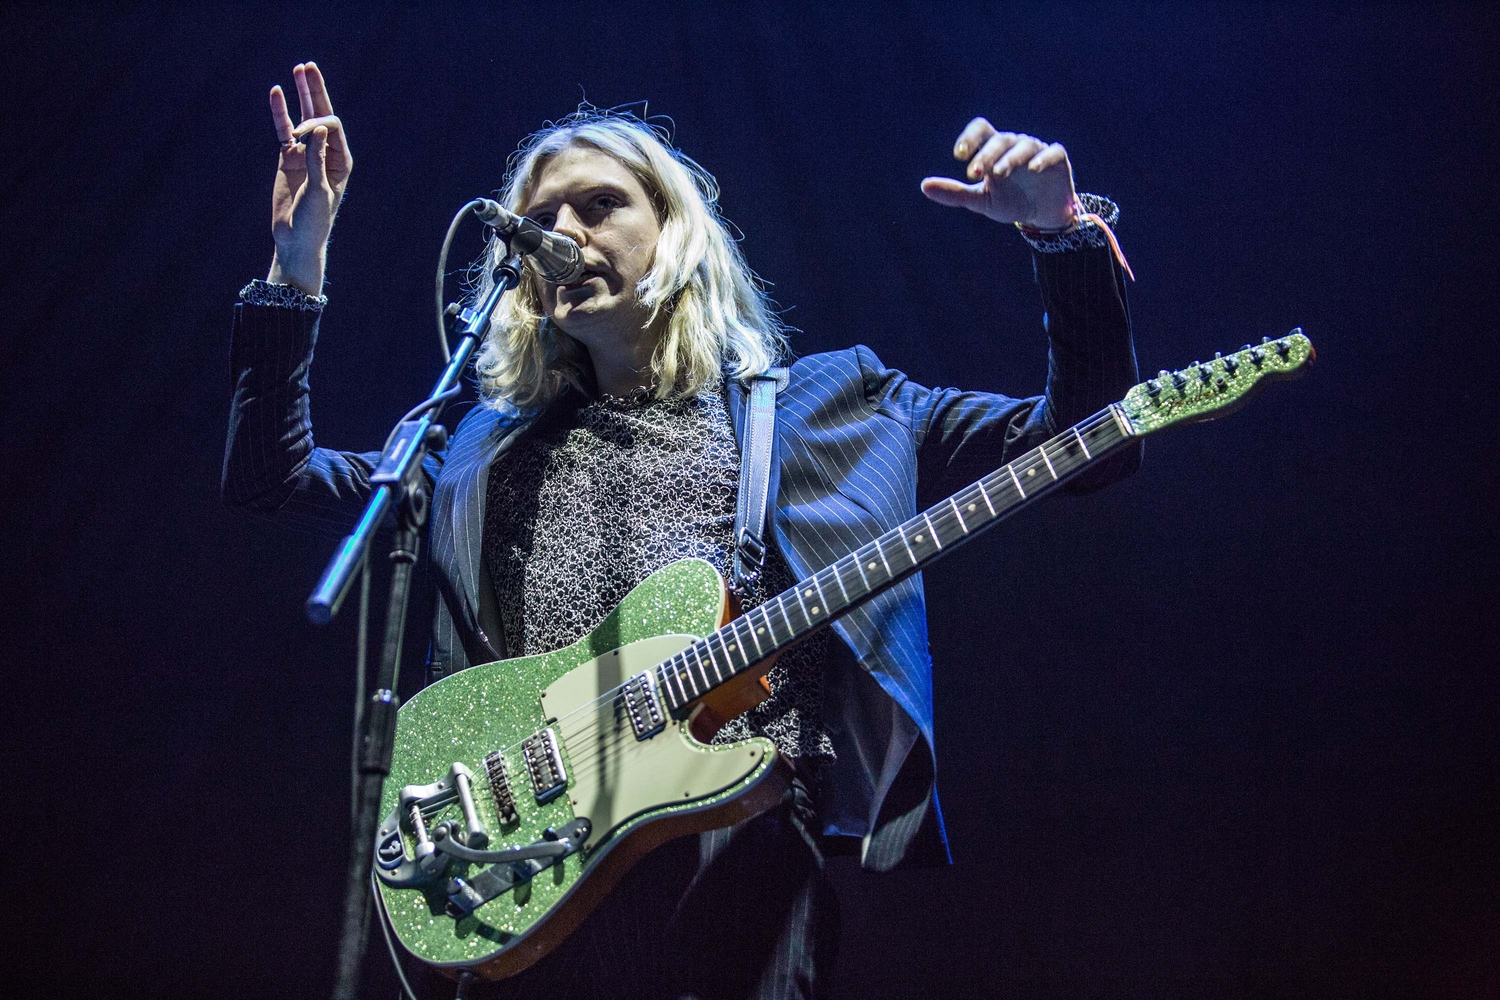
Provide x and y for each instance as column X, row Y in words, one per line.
column 643, row 706
column 544, row 764
column 505, row 799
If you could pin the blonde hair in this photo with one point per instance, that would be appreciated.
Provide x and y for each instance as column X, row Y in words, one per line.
column 718, row 319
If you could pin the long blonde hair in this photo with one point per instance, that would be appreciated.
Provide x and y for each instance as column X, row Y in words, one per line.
column 718, row 319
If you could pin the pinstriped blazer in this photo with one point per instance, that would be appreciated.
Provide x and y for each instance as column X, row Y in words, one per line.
column 859, row 448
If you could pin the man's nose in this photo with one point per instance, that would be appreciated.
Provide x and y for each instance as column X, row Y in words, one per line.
column 570, row 225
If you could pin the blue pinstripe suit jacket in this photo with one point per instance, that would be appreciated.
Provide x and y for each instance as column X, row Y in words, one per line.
column 859, row 448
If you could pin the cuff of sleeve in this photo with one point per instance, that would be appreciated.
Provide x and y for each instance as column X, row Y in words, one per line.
column 272, row 343
column 1084, row 234
column 264, row 293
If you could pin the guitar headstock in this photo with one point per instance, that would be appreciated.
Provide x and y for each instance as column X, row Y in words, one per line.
column 1206, row 390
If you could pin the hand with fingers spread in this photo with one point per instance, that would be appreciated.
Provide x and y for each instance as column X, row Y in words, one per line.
column 310, row 181
column 1012, row 178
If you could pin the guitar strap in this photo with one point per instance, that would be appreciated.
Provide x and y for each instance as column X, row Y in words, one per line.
column 755, row 477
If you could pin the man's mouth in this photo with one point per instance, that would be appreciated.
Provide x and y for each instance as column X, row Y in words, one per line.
column 587, row 276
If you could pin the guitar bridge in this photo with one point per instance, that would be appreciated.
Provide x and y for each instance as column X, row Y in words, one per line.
column 643, row 706
column 505, row 799
column 545, row 765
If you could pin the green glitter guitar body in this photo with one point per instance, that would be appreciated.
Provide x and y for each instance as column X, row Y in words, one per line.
column 520, row 791
column 636, row 793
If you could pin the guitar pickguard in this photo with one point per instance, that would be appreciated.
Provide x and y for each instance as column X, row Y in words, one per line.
column 615, row 775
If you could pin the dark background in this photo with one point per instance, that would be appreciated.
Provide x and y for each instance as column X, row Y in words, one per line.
column 1225, row 729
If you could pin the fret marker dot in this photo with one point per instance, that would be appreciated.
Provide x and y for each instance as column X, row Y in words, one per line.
column 807, row 593
column 869, row 565
column 761, row 630
column 815, row 609
column 973, row 507
column 1031, row 472
column 918, row 538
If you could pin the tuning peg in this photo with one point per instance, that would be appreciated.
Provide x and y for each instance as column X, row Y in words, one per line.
column 1282, row 348
column 1152, row 388
column 1202, row 372
column 1256, row 354
column 1178, row 381
column 1230, row 364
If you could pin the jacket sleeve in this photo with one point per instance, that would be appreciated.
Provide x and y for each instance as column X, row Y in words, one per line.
column 961, row 436
column 271, row 465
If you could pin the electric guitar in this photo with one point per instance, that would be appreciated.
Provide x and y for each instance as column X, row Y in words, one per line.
column 522, row 790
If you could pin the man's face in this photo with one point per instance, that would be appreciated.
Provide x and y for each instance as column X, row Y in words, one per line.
column 593, row 198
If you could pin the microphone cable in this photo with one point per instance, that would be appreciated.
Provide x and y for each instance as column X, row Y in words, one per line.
column 442, row 274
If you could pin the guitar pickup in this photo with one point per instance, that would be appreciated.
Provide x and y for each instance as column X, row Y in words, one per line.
column 545, row 765
column 643, row 706
column 505, row 799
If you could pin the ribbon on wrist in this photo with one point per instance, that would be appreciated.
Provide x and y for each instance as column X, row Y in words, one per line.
column 1088, row 210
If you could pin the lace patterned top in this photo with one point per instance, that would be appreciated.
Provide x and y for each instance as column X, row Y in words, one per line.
column 587, row 505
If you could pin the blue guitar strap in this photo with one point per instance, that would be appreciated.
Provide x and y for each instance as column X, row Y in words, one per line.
column 755, row 477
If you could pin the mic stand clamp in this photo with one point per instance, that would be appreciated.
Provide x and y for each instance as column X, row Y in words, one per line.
column 398, row 483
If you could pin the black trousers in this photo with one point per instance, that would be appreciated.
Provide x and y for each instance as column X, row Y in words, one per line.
column 743, row 913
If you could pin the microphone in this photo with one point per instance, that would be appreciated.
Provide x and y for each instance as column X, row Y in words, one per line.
column 555, row 257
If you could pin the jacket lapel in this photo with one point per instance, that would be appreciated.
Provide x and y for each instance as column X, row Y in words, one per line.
column 458, row 502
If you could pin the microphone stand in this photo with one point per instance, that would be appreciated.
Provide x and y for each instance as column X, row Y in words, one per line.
column 398, row 484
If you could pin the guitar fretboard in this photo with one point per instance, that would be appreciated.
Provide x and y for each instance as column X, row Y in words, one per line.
column 815, row 601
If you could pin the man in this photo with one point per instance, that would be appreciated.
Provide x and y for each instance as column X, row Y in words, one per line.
column 608, row 444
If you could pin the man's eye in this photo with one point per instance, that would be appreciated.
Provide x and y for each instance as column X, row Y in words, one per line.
column 606, row 202
column 544, row 220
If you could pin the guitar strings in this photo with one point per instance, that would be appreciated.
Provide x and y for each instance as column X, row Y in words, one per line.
column 566, row 727
column 594, row 748
column 967, row 494
column 948, row 517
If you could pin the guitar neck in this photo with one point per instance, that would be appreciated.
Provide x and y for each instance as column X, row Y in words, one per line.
column 796, row 612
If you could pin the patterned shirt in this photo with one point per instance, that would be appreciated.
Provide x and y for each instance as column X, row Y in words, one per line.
column 585, row 506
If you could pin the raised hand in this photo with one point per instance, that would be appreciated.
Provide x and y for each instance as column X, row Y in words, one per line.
column 310, row 181
column 1012, row 178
